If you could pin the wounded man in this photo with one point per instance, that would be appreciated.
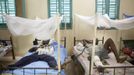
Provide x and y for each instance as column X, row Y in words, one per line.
column 101, row 51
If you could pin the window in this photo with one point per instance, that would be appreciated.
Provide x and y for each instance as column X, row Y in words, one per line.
column 110, row 7
column 8, row 7
column 64, row 8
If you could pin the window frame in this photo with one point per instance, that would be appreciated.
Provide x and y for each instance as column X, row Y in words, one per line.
column 107, row 6
column 4, row 25
column 62, row 25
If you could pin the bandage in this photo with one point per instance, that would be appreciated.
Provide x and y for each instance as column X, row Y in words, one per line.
column 97, row 61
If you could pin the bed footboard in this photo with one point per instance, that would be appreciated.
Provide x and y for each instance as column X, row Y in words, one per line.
column 118, row 70
column 31, row 71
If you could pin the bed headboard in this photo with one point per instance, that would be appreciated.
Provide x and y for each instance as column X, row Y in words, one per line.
column 97, row 40
column 13, row 54
column 63, row 41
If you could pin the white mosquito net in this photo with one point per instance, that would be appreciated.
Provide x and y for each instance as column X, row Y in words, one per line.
column 40, row 29
column 105, row 21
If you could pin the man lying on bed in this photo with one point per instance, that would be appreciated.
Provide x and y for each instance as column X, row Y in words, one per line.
column 42, row 53
column 101, row 51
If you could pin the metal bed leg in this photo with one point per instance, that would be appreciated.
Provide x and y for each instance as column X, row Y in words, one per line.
column 12, row 48
column 58, row 73
column 65, row 42
column 12, row 72
column 124, row 71
column 74, row 41
column 34, row 72
column 23, row 71
column 46, row 71
column 114, row 71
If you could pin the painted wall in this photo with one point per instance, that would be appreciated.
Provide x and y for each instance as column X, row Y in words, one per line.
column 38, row 8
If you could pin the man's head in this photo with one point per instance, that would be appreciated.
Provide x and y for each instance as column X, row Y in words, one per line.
column 45, row 42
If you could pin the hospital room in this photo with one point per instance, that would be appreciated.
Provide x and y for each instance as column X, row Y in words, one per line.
column 66, row 37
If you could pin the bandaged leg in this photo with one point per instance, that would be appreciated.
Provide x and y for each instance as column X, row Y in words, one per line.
column 98, row 64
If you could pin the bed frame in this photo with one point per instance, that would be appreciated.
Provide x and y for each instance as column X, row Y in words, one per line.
column 45, row 69
column 64, row 41
column 97, row 40
column 114, row 68
column 31, row 68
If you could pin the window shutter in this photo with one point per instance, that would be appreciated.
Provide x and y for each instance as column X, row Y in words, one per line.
column 64, row 8
column 110, row 7
column 8, row 7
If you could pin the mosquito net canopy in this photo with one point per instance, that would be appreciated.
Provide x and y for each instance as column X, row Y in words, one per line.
column 40, row 29
column 105, row 21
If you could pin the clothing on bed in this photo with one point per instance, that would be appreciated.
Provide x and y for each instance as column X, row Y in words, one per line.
column 99, row 50
column 33, row 58
column 44, row 52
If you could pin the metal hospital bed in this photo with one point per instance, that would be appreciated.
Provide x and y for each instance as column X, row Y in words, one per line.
column 40, row 67
column 111, row 67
